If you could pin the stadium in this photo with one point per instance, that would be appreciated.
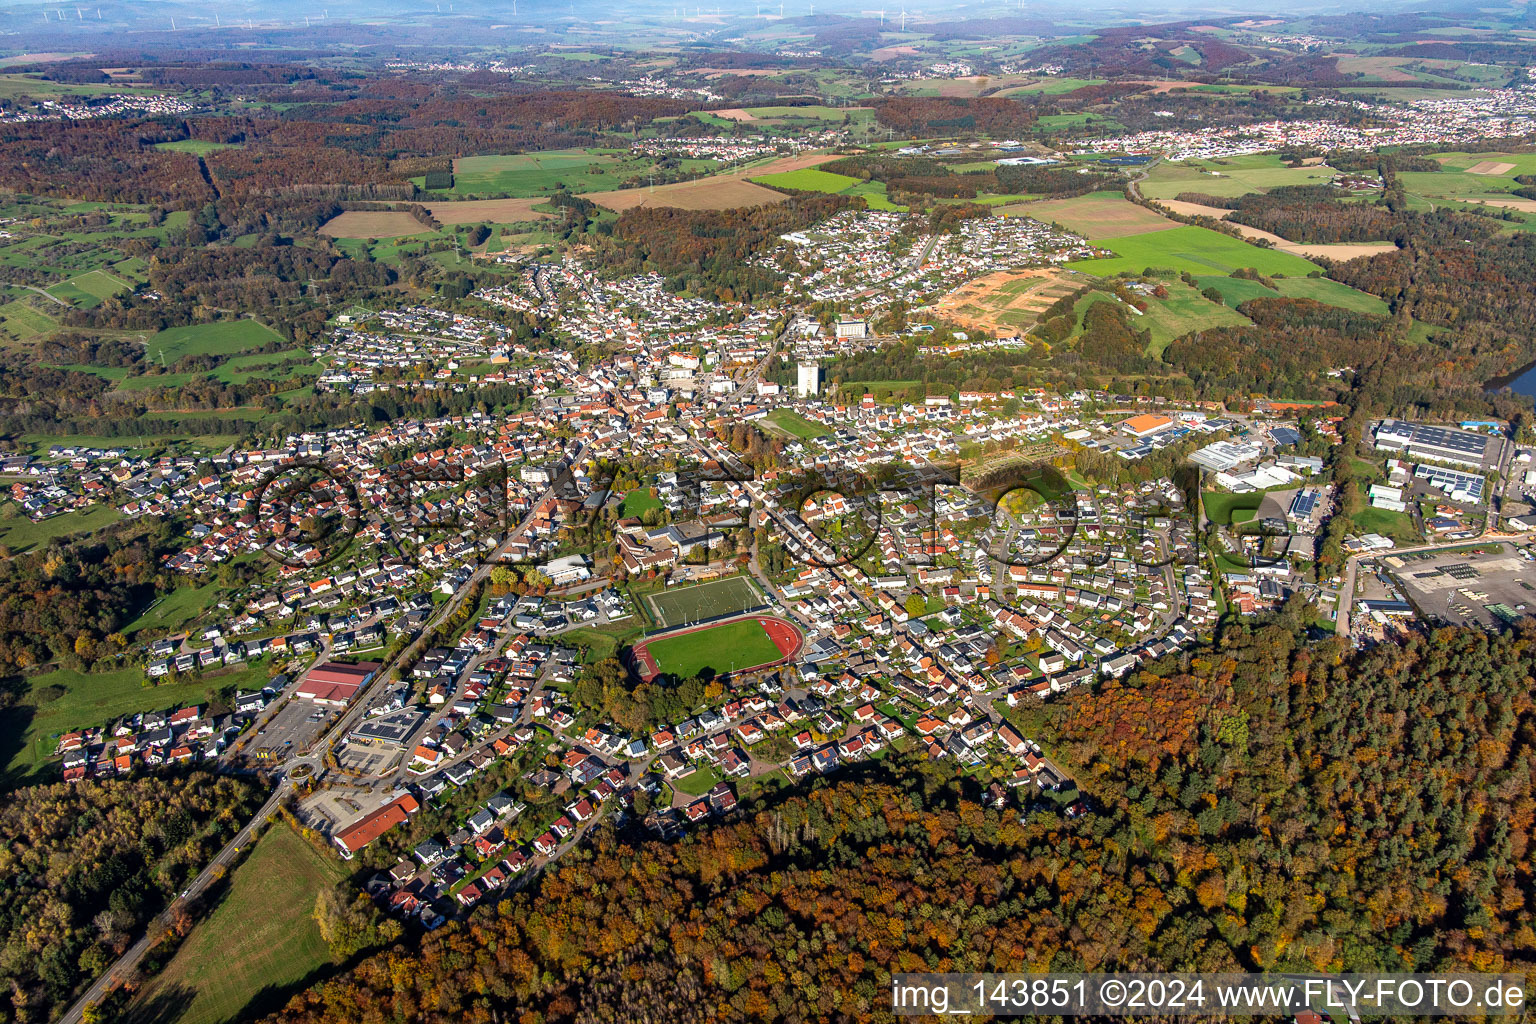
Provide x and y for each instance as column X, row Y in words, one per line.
column 729, row 646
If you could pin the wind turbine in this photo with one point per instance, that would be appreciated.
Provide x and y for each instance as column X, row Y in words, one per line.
column 813, row 10
column 903, row 19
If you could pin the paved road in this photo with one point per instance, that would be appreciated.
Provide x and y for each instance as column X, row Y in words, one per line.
column 1347, row 590
column 126, row 963
column 359, row 706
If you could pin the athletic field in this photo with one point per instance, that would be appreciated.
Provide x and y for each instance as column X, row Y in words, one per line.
column 680, row 606
column 737, row 645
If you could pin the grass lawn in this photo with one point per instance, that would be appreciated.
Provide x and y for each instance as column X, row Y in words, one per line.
column 175, row 610
column 262, row 935
column 1197, row 250
column 28, row 728
column 638, row 502
column 1221, row 507
column 721, row 648
column 699, row 782
column 792, row 422
column 1396, row 525
column 222, row 338
column 20, row 533
column 605, row 642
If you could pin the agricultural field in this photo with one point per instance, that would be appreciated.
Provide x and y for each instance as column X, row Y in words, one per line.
column 1094, row 216
column 487, row 211
column 1197, row 250
column 89, row 289
column 677, row 606
column 809, row 179
column 260, row 938
column 1051, row 86
column 1340, row 251
column 704, row 194
column 20, row 321
column 373, row 224
column 529, row 175
column 1234, row 176
column 224, row 337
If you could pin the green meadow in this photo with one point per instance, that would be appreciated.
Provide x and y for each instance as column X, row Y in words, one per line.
column 1195, row 249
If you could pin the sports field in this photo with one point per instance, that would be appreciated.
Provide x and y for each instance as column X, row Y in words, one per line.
column 222, row 338
column 261, row 936
column 682, row 605
column 739, row 645
column 1197, row 250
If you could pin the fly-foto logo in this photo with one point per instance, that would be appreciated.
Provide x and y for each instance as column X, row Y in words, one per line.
column 310, row 513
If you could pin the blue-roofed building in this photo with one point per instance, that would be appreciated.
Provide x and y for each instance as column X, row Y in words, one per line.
column 1285, row 436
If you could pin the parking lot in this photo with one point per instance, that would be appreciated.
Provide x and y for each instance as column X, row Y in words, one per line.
column 366, row 760
column 296, row 724
column 1469, row 587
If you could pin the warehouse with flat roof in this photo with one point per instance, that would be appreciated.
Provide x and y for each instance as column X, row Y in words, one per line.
column 1427, row 441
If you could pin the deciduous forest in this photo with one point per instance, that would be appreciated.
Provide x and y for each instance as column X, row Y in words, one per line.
column 1262, row 805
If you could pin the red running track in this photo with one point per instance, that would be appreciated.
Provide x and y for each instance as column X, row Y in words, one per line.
column 786, row 636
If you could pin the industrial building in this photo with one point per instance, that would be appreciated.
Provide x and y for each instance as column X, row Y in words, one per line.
column 1426, row 441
